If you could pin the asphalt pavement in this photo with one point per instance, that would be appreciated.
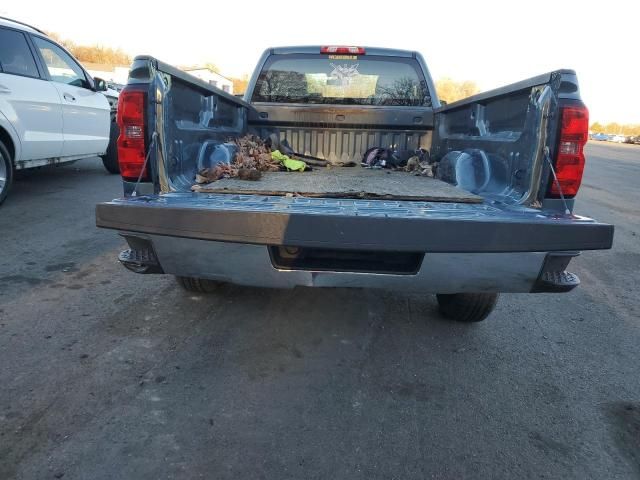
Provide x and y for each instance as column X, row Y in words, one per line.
column 105, row 374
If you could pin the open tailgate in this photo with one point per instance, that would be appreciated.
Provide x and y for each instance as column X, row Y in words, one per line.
column 353, row 224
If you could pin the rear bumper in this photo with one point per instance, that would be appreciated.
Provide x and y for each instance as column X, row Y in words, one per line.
column 353, row 224
column 251, row 265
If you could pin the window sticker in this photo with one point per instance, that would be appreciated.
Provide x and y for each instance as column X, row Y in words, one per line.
column 343, row 57
column 343, row 74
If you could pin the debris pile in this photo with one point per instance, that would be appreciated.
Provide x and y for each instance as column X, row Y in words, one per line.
column 417, row 161
column 422, row 168
column 252, row 158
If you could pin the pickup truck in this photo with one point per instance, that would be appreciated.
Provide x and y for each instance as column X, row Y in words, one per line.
column 498, row 218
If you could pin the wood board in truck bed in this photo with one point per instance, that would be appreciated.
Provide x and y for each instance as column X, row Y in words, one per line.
column 344, row 182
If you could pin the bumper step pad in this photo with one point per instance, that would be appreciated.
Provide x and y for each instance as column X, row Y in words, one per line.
column 559, row 282
column 140, row 260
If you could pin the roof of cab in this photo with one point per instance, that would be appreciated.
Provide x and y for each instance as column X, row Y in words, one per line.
column 18, row 25
column 385, row 52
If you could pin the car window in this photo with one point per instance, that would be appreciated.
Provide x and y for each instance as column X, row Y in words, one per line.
column 62, row 68
column 15, row 56
column 342, row 79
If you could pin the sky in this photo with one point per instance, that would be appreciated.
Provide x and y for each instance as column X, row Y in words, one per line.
column 490, row 42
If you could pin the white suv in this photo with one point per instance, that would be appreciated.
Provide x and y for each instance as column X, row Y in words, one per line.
column 51, row 110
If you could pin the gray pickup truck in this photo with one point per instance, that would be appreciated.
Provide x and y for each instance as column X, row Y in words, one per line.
column 497, row 217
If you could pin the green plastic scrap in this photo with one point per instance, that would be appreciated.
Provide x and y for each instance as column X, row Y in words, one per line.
column 289, row 163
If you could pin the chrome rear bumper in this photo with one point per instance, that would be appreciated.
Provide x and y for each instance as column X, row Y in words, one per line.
column 251, row 265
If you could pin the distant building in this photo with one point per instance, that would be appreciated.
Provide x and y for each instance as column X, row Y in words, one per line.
column 109, row 73
column 212, row 78
column 120, row 73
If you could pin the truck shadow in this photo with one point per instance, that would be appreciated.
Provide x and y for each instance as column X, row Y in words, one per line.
column 270, row 332
column 272, row 373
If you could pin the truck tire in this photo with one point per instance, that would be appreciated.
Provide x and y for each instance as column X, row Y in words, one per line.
column 110, row 158
column 467, row 307
column 198, row 285
column 6, row 172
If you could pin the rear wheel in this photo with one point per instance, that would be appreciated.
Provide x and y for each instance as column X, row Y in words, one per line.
column 467, row 307
column 6, row 172
column 110, row 158
column 198, row 285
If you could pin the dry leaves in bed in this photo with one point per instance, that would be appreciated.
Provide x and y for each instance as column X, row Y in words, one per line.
column 421, row 168
column 253, row 157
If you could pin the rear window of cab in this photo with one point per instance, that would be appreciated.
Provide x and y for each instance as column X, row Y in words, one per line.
column 342, row 80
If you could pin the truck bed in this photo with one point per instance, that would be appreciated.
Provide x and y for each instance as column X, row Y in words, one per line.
column 346, row 182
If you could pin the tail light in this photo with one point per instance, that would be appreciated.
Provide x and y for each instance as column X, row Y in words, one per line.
column 569, row 165
column 131, row 142
column 342, row 50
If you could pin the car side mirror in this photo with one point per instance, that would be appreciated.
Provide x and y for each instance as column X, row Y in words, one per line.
column 99, row 84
